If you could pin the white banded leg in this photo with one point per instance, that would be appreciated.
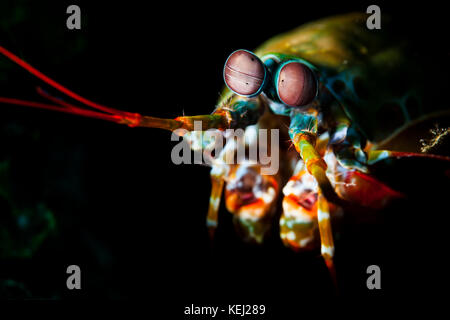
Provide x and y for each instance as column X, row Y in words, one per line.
column 326, row 234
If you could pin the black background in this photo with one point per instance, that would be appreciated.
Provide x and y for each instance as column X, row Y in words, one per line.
column 132, row 220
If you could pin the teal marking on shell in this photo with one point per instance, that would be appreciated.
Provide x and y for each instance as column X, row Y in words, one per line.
column 245, row 113
column 301, row 123
column 271, row 62
column 280, row 108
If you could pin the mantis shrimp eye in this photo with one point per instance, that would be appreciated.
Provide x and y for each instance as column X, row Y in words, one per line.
column 244, row 73
column 296, row 84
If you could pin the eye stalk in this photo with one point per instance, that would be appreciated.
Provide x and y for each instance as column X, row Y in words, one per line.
column 244, row 73
column 296, row 84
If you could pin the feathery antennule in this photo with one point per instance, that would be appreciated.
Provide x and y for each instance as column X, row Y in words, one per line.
column 76, row 111
column 53, row 99
column 219, row 121
column 131, row 119
column 56, row 85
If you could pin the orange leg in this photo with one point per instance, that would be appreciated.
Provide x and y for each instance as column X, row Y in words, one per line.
column 326, row 235
column 217, row 183
column 316, row 166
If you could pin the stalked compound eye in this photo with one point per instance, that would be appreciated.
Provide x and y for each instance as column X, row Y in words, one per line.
column 244, row 73
column 296, row 84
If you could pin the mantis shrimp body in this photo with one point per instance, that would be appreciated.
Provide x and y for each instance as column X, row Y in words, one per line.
column 346, row 97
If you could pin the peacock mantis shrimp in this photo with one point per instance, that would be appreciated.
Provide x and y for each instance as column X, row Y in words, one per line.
column 331, row 88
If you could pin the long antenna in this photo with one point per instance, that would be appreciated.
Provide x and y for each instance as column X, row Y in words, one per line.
column 11, row 56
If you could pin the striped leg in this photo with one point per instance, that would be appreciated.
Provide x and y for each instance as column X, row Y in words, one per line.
column 315, row 165
column 303, row 133
column 326, row 235
column 217, row 183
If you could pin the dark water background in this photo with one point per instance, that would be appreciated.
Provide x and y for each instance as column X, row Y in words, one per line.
column 132, row 220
